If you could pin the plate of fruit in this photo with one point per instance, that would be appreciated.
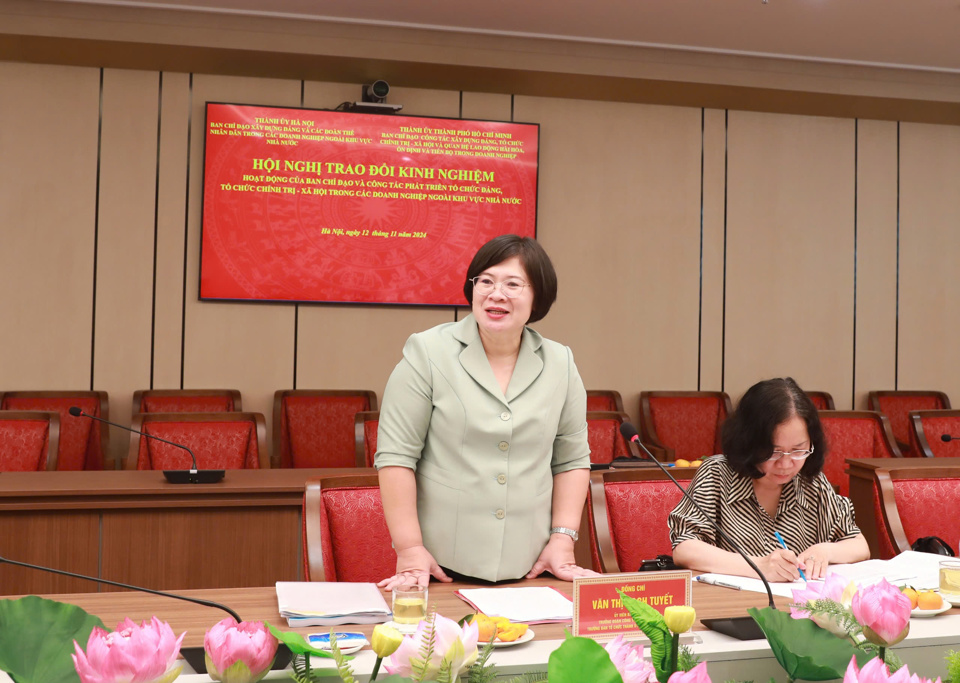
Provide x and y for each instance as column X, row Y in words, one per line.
column 505, row 633
column 925, row 603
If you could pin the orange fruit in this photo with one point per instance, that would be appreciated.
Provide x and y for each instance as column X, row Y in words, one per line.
column 486, row 628
column 696, row 463
column 680, row 462
column 929, row 600
column 912, row 595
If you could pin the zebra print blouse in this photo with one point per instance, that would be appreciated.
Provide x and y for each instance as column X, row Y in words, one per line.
column 809, row 512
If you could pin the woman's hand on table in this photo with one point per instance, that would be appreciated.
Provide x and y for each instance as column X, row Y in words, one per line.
column 815, row 560
column 779, row 566
column 557, row 558
column 415, row 566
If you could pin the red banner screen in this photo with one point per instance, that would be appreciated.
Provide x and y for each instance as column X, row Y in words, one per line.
column 326, row 206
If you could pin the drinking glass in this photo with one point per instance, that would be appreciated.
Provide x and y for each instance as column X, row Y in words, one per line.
column 409, row 604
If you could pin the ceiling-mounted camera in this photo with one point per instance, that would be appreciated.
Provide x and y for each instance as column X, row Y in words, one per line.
column 376, row 92
column 373, row 100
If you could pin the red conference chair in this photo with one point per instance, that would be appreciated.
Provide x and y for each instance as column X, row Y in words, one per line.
column 83, row 442
column 897, row 404
column 365, row 426
column 606, row 441
column 912, row 503
column 926, row 429
column 186, row 401
column 604, row 399
column 683, row 424
column 314, row 428
column 219, row 441
column 854, row 434
column 345, row 536
column 822, row 400
column 28, row 440
column 627, row 511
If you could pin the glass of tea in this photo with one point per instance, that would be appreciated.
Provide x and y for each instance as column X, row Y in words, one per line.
column 950, row 580
column 409, row 604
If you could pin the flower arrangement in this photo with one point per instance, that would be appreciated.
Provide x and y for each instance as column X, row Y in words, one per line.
column 131, row 654
column 239, row 653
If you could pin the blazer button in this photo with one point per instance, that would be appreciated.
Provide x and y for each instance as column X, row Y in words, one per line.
column 501, row 479
column 504, row 416
column 501, row 514
column 503, row 445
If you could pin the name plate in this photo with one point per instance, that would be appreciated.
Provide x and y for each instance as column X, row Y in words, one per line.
column 598, row 611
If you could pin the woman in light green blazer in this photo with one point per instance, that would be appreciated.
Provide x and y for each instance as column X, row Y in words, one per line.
column 482, row 441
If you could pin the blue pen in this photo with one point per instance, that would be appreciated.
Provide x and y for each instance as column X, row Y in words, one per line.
column 783, row 545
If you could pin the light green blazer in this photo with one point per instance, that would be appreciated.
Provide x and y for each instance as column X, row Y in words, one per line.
column 484, row 461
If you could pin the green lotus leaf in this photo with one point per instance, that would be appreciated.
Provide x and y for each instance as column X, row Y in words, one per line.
column 581, row 659
column 36, row 639
column 654, row 627
column 806, row 651
column 297, row 644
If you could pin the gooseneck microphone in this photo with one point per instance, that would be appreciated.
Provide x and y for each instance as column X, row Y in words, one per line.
column 196, row 601
column 946, row 438
column 191, row 476
column 741, row 628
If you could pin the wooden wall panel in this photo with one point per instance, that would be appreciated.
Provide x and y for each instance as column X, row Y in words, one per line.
column 712, row 261
column 929, row 321
column 233, row 345
column 48, row 180
column 876, row 348
column 128, row 178
column 175, row 108
column 481, row 105
column 790, row 260
column 620, row 217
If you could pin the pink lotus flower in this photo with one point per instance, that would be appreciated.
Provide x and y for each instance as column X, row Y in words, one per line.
column 132, row 654
column 451, row 643
column 239, row 653
column 835, row 588
column 875, row 671
column 884, row 613
column 697, row 674
column 630, row 663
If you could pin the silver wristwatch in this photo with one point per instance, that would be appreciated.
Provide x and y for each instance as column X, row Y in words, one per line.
column 564, row 530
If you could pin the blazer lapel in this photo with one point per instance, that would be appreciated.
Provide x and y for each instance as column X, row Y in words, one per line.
column 529, row 364
column 473, row 358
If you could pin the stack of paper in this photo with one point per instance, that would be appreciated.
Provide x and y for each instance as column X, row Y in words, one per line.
column 318, row 603
column 539, row 605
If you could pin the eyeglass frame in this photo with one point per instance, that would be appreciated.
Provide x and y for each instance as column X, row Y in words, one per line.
column 776, row 455
column 499, row 285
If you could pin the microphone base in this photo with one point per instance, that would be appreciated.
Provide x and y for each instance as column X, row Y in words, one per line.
column 741, row 628
column 193, row 476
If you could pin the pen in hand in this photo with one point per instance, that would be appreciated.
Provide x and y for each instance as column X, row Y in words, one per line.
column 783, row 545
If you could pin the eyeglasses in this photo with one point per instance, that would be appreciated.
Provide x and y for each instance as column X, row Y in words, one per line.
column 796, row 456
column 484, row 285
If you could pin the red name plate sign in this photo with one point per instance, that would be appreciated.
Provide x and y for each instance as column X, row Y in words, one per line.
column 598, row 611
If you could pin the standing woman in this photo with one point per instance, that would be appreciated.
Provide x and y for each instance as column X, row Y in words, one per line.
column 768, row 481
column 482, row 442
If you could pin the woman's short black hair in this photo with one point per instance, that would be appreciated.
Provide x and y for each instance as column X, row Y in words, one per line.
column 748, row 433
column 540, row 273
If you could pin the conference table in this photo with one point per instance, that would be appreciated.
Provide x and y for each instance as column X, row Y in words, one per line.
column 727, row 659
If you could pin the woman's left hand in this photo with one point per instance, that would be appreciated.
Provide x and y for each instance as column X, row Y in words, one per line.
column 815, row 560
column 558, row 559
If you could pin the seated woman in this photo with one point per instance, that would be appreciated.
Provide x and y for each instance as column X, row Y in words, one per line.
column 768, row 480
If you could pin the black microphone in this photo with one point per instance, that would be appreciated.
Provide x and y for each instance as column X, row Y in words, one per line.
column 192, row 476
column 946, row 438
column 741, row 628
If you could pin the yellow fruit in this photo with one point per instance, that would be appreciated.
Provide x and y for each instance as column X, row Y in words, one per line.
column 486, row 628
column 912, row 595
column 512, row 632
column 696, row 463
column 929, row 600
column 680, row 462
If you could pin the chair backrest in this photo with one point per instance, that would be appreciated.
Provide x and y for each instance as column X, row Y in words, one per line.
column 606, row 441
column 186, row 401
column 822, row 400
column 628, row 512
column 604, row 399
column 365, row 426
column 926, row 429
column 84, row 443
column 345, row 535
column 314, row 428
column 897, row 404
column 218, row 440
column 913, row 503
column 28, row 440
column 854, row 434
column 685, row 424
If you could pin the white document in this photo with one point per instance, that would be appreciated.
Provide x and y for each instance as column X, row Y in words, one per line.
column 316, row 603
column 742, row 583
column 532, row 605
column 920, row 570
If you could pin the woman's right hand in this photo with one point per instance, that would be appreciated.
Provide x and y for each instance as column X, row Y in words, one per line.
column 415, row 565
column 779, row 566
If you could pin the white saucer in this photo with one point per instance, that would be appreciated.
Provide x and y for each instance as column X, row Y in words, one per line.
column 405, row 629
column 347, row 642
column 525, row 638
column 923, row 613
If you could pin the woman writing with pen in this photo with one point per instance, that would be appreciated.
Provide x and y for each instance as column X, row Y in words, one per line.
column 768, row 494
